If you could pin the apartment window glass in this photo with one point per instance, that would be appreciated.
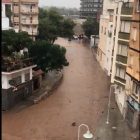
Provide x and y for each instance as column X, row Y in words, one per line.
column 27, row 77
column 102, row 29
column 138, row 7
column 127, row 27
column 15, row 15
column 139, row 65
column 124, row 50
column 95, row 0
column 136, row 89
column 117, row 71
column 122, row 73
column 131, row 60
column 18, row 80
column 16, row 24
column 122, row 26
column 15, row 4
column 135, row 34
column 105, row 31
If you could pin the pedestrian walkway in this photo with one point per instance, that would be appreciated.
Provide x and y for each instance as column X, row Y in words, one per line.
column 117, row 129
column 49, row 83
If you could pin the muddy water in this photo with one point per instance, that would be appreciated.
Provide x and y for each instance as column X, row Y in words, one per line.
column 79, row 98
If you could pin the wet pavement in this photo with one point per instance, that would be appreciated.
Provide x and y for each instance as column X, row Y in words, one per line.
column 81, row 98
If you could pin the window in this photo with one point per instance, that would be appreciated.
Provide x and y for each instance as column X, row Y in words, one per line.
column 102, row 29
column 136, row 89
column 15, row 15
column 138, row 7
column 18, row 80
column 139, row 65
column 135, row 33
column 125, row 26
column 16, row 24
column 105, row 31
column 15, row 4
column 120, row 72
column 27, row 77
column 122, row 49
column 131, row 60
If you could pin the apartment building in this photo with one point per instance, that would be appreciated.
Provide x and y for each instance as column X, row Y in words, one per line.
column 25, row 16
column 105, row 35
column 90, row 8
column 121, row 35
column 133, row 71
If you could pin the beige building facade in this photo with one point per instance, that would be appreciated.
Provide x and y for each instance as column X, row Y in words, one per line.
column 133, row 72
column 25, row 16
column 105, row 35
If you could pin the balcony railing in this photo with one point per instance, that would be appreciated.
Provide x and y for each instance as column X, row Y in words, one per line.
column 33, row 33
column 123, row 35
column 126, row 11
column 29, row 21
column 120, row 80
column 29, row 11
column 122, row 59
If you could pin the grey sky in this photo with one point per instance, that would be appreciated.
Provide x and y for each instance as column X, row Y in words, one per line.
column 60, row 3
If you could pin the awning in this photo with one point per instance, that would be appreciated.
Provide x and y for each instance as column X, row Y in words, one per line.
column 37, row 73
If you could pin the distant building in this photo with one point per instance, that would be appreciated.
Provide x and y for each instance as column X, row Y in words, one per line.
column 5, row 24
column 22, row 14
column 90, row 8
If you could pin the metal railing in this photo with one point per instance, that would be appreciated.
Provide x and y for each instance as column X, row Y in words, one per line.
column 29, row 10
column 29, row 21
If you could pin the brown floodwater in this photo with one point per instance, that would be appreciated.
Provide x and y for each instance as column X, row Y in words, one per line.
column 79, row 98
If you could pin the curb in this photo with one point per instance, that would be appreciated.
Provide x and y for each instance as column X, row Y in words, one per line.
column 48, row 93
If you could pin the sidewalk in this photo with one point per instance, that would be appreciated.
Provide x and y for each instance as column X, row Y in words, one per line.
column 49, row 83
column 117, row 129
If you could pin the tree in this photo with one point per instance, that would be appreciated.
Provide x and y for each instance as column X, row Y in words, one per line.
column 46, row 55
column 90, row 27
column 16, row 40
column 42, row 13
column 54, row 25
column 47, row 31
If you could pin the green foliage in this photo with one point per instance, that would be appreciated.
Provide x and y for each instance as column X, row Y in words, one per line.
column 16, row 55
column 90, row 27
column 42, row 13
column 16, row 40
column 46, row 55
column 53, row 25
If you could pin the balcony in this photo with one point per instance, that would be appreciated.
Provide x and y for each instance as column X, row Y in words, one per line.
column 29, row 11
column 111, row 6
column 119, row 80
column 125, row 36
column 29, row 22
column 122, row 59
column 126, row 11
column 33, row 33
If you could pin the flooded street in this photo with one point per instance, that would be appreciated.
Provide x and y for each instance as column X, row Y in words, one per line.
column 80, row 98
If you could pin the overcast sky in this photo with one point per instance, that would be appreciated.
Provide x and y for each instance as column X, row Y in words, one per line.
column 60, row 3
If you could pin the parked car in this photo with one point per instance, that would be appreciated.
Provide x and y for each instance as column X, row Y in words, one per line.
column 75, row 36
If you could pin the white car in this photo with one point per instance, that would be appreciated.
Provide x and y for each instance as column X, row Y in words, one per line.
column 75, row 36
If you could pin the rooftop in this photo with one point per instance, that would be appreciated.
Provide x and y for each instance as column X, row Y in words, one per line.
column 6, row 1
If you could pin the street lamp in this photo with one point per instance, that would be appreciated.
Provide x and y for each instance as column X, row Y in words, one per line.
column 87, row 135
column 109, row 104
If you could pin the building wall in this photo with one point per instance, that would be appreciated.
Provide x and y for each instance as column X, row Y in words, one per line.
column 23, row 11
column 9, row 96
column 3, row 10
column 6, row 78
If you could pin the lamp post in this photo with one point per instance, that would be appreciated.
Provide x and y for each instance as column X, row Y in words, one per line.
column 109, row 104
column 87, row 135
